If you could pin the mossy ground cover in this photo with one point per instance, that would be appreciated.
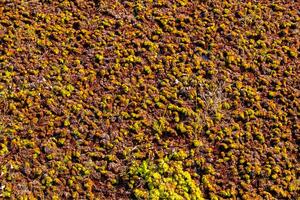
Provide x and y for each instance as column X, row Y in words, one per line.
column 162, row 99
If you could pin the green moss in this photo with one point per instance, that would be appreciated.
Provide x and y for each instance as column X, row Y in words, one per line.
column 292, row 53
column 177, row 185
column 3, row 149
column 47, row 181
column 226, row 193
column 67, row 122
column 147, row 70
column 133, row 59
column 197, row 143
column 271, row 94
column 99, row 58
column 125, row 88
column 180, row 155
column 181, row 128
column 140, row 194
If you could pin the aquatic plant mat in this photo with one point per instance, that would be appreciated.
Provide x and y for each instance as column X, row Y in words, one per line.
column 162, row 99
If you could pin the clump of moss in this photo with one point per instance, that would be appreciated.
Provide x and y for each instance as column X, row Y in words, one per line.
column 164, row 181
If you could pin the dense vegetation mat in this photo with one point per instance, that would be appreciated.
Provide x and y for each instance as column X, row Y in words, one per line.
column 162, row 99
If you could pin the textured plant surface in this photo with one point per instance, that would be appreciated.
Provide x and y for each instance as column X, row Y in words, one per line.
column 162, row 99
